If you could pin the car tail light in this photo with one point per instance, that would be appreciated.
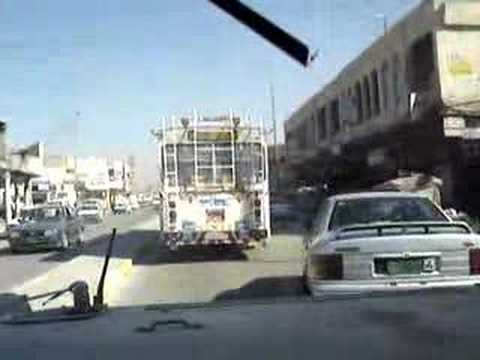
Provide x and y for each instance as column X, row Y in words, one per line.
column 327, row 267
column 474, row 256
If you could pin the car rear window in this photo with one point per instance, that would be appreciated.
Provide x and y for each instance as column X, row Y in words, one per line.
column 395, row 209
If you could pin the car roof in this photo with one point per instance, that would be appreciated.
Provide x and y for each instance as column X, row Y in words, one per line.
column 376, row 194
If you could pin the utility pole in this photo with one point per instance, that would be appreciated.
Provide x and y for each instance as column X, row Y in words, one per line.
column 274, row 123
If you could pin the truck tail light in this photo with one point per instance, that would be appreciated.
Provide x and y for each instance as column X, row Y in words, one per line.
column 474, row 256
column 327, row 267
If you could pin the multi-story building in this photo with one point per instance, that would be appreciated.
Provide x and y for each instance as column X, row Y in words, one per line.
column 410, row 101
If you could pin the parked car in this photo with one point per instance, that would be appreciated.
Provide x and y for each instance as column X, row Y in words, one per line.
column 47, row 227
column 25, row 215
column 388, row 241
column 92, row 201
column 134, row 203
column 90, row 212
column 122, row 207
column 156, row 200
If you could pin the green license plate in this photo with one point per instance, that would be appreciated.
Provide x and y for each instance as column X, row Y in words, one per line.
column 404, row 266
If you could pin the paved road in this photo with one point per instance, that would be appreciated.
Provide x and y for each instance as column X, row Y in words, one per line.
column 17, row 268
column 201, row 276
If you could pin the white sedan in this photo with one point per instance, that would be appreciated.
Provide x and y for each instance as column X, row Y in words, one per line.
column 90, row 212
column 388, row 241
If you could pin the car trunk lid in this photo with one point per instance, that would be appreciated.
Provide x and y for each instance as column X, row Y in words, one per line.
column 414, row 251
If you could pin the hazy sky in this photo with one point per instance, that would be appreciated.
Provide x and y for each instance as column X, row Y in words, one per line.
column 102, row 73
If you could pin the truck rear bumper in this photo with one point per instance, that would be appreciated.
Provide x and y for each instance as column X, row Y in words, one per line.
column 175, row 240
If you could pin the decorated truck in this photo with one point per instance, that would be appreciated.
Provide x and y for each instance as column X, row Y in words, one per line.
column 213, row 184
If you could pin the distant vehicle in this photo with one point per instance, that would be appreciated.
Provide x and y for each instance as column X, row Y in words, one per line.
column 156, row 200
column 47, row 227
column 388, row 241
column 97, row 202
column 145, row 200
column 214, row 184
column 134, row 202
column 90, row 212
column 56, row 203
column 122, row 207
column 64, row 198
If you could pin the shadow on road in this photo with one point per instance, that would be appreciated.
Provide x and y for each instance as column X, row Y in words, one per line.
column 128, row 244
column 13, row 303
column 267, row 287
column 163, row 255
column 154, row 252
column 145, row 248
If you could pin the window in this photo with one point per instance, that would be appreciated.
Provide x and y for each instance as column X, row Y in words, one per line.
column 249, row 163
column 302, row 136
column 376, row 93
column 396, row 80
column 186, row 163
column 368, row 99
column 306, row 137
column 359, row 101
column 385, row 87
column 335, row 116
column 321, row 123
column 289, row 140
column 394, row 209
